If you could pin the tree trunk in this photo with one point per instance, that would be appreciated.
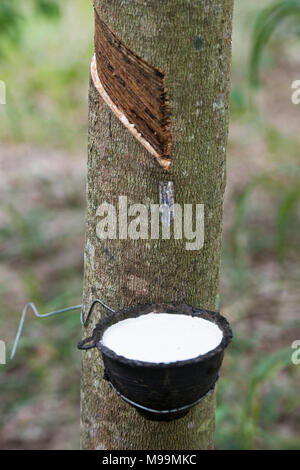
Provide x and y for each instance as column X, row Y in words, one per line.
column 191, row 42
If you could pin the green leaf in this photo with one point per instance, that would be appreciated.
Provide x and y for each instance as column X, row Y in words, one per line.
column 267, row 21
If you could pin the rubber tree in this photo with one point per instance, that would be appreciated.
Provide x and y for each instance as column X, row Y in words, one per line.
column 190, row 40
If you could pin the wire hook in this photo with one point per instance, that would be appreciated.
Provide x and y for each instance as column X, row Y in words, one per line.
column 83, row 320
column 31, row 305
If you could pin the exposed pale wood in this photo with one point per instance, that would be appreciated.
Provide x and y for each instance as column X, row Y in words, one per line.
column 164, row 162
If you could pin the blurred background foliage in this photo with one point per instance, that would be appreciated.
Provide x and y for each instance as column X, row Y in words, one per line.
column 45, row 51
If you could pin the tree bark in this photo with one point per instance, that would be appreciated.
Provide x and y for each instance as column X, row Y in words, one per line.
column 191, row 42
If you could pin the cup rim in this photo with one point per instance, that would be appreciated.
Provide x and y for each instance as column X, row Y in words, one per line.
column 142, row 309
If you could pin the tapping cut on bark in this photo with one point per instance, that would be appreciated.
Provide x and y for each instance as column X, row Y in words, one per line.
column 134, row 90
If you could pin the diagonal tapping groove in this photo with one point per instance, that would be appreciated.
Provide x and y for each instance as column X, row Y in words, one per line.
column 134, row 90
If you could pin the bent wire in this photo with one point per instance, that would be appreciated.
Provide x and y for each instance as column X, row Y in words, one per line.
column 31, row 305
